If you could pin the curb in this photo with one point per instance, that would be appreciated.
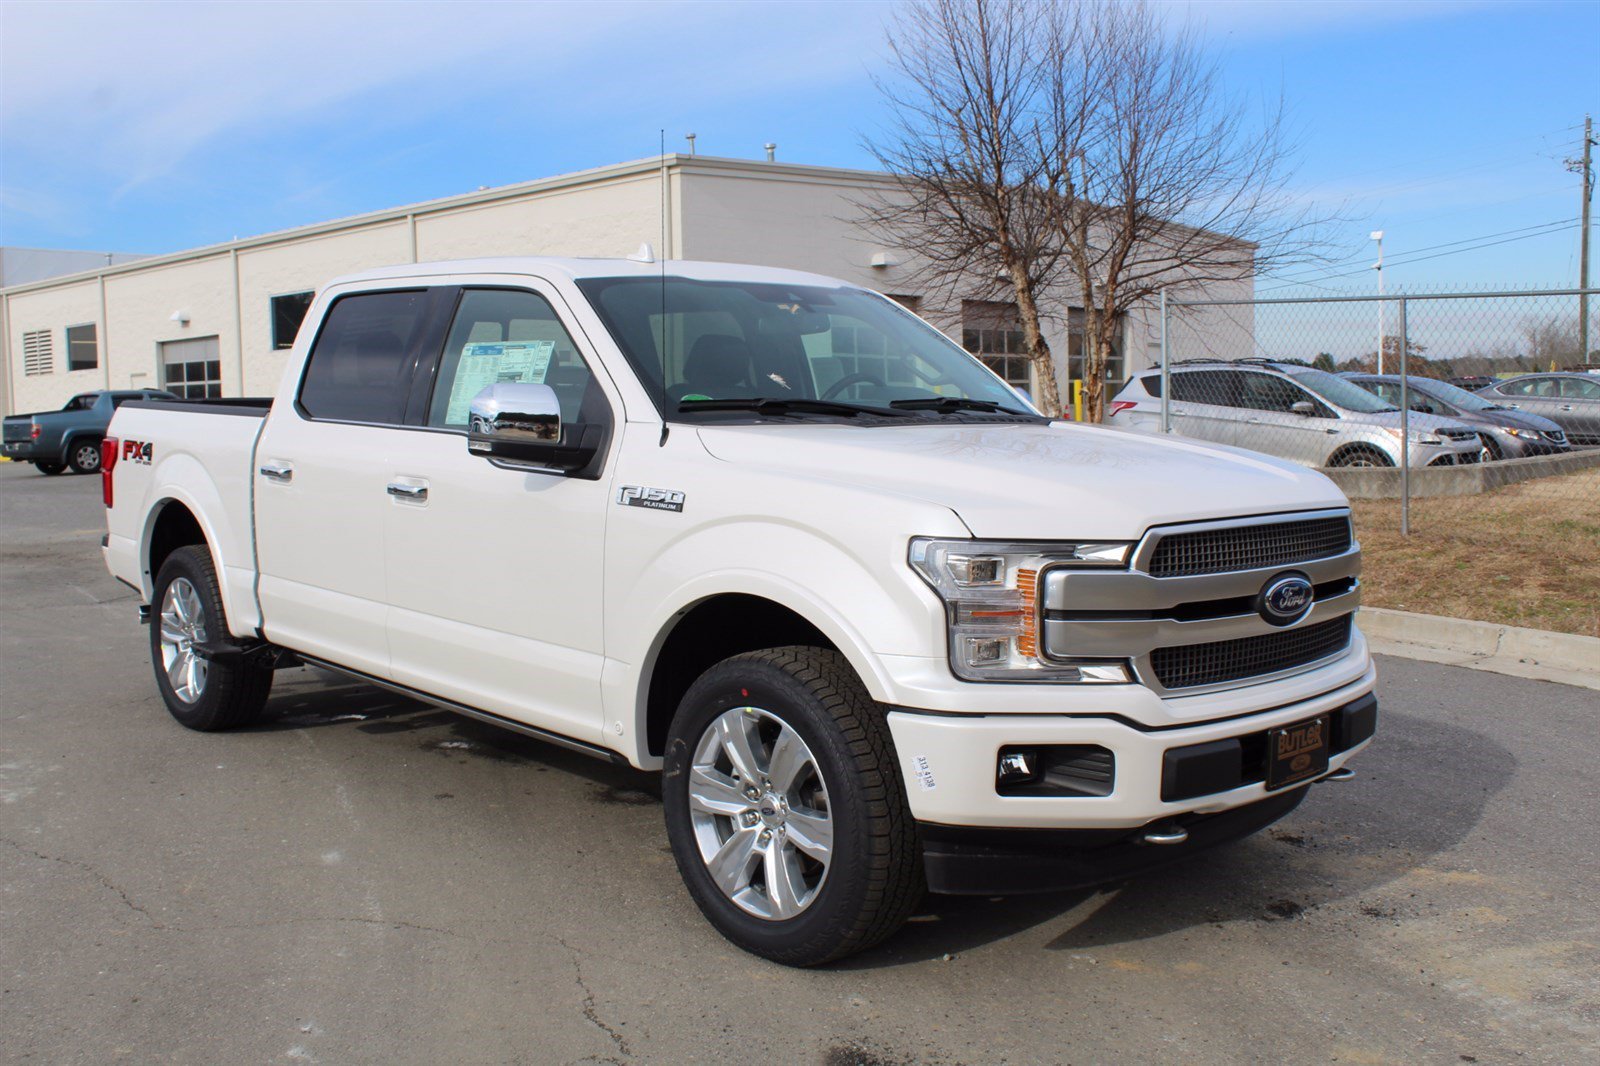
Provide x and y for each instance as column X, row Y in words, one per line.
column 1564, row 658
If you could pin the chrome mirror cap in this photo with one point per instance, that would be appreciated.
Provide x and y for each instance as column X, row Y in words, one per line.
column 513, row 412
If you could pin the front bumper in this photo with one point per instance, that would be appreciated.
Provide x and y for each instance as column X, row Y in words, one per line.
column 948, row 763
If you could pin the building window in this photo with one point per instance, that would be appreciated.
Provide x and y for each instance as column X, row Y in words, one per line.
column 192, row 369
column 38, row 356
column 992, row 332
column 287, row 314
column 83, row 347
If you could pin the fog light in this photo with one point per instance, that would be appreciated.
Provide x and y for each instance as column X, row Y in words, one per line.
column 1016, row 767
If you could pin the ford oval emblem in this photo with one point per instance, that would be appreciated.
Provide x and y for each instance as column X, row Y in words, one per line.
column 1285, row 600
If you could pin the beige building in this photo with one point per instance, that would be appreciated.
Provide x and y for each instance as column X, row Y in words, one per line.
column 216, row 321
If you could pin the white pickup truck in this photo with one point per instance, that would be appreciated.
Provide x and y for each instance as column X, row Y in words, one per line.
column 882, row 626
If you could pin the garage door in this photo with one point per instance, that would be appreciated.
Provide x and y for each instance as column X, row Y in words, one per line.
column 192, row 368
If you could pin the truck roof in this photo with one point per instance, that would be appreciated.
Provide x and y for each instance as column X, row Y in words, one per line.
column 576, row 268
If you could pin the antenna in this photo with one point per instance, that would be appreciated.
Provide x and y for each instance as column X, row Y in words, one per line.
column 665, row 251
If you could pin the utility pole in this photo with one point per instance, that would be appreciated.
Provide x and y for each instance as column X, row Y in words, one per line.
column 1585, row 167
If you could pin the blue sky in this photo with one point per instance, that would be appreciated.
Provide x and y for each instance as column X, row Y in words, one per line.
column 155, row 127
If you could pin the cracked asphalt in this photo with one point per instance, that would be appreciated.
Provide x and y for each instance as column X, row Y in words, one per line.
column 368, row 880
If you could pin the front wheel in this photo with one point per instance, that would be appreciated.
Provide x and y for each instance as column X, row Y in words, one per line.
column 1361, row 457
column 201, row 693
column 85, row 456
column 786, row 810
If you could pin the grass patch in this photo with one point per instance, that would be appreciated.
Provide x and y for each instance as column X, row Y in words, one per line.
column 1525, row 555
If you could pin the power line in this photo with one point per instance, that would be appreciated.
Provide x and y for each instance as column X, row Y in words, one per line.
column 1414, row 258
column 1428, row 248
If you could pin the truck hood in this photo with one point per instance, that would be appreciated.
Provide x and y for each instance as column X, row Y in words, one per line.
column 1034, row 482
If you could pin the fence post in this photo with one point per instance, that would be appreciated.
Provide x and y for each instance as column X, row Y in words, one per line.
column 1166, row 371
column 1405, row 430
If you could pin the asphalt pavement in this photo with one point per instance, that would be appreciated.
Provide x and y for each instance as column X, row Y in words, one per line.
column 365, row 879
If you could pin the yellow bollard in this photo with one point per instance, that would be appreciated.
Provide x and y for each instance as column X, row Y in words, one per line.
column 1077, row 399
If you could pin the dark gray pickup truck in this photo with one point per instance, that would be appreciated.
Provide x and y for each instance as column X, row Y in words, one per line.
column 55, row 440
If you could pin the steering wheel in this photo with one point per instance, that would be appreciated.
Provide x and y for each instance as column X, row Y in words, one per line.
column 851, row 379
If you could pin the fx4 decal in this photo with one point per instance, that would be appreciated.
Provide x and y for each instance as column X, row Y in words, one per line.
column 655, row 499
column 134, row 451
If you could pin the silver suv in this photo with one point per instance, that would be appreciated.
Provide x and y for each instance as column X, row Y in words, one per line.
column 1285, row 409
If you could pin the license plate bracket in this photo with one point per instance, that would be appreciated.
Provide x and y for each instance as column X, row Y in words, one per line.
column 1297, row 752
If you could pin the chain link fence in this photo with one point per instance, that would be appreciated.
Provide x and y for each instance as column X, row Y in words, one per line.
column 1464, row 427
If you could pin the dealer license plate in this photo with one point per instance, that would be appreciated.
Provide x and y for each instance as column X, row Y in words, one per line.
column 1297, row 753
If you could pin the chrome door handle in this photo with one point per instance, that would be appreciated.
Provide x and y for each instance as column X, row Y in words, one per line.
column 280, row 472
column 1566, row 407
column 408, row 492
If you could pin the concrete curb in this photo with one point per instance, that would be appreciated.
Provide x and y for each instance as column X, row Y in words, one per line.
column 1565, row 658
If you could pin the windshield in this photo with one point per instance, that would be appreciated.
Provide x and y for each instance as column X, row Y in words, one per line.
column 1341, row 393
column 1456, row 397
column 705, row 341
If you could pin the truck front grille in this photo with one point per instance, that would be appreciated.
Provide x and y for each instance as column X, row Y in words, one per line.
column 1249, row 547
column 1196, row 665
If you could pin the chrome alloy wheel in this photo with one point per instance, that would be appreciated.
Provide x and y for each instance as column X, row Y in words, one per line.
column 183, row 625
column 759, row 807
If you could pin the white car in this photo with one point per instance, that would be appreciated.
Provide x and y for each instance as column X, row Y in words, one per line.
column 881, row 626
column 1297, row 412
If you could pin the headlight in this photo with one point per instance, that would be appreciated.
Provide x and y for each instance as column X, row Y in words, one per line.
column 1521, row 434
column 990, row 594
column 1417, row 436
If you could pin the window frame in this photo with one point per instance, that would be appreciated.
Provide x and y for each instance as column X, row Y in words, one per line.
column 67, row 334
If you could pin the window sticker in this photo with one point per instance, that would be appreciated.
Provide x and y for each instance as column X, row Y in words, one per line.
column 485, row 364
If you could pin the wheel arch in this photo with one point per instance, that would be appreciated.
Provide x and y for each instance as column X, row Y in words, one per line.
column 1345, row 452
column 716, row 626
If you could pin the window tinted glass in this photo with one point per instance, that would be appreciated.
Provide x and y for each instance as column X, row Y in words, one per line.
column 287, row 314
column 505, row 335
column 742, row 340
column 1217, row 387
column 1263, row 392
column 1340, row 392
column 1580, row 388
column 360, row 369
column 83, row 347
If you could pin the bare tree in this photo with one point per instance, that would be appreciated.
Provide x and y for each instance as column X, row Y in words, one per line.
column 1084, row 147
column 964, row 149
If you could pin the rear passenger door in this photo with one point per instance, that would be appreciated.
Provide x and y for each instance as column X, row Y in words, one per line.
column 495, row 570
column 322, row 466
column 1205, row 405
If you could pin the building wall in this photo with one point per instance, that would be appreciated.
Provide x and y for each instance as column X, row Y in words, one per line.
column 139, row 309
column 608, row 219
column 53, row 309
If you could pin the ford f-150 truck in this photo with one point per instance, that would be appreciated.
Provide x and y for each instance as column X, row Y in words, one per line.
column 55, row 440
column 881, row 626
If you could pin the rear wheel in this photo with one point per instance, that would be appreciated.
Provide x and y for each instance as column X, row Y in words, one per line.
column 785, row 807
column 49, row 469
column 201, row 693
column 85, row 456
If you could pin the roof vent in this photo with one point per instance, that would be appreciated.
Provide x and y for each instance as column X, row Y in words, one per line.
column 772, row 152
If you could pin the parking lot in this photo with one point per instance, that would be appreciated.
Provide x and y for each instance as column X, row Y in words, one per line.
column 367, row 879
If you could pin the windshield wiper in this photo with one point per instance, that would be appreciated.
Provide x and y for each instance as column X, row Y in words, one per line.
column 950, row 404
column 777, row 405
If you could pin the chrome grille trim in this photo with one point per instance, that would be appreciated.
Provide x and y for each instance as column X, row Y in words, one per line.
column 1197, row 666
column 1266, row 541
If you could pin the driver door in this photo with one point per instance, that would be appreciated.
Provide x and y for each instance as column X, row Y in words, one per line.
column 495, row 570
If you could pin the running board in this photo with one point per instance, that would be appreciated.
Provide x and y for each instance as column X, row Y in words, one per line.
column 488, row 717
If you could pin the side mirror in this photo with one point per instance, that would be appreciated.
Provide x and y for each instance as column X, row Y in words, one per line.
column 520, row 422
column 1303, row 408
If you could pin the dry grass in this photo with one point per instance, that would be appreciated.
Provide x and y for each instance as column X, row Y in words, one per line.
column 1526, row 555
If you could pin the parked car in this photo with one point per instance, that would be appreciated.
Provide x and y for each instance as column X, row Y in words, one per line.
column 1285, row 409
column 1570, row 400
column 880, row 623
column 1472, row 382
column 70, row 437
column 1506, row 434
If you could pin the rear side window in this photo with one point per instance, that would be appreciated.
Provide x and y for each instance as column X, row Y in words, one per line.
column 1152, row 384
column 360, row 369
column 1205, row 386
column 1580, row 388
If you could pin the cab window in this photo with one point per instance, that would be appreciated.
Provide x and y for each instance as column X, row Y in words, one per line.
column 511, row 335
column 360, row 368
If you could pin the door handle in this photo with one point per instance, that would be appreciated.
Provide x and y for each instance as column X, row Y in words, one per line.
column 408, row 492
column 279, row 472
column 1566, row 407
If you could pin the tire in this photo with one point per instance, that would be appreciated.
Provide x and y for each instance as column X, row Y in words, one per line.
column 1361, row 457
column 844, row 778
column 1491, row 448
column 49, row 469
column 187, row 609
column 84, row 456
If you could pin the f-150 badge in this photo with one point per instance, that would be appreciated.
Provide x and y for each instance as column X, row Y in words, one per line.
column 655, row 499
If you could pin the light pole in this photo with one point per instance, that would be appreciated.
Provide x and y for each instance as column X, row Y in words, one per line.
column 1377, row 235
